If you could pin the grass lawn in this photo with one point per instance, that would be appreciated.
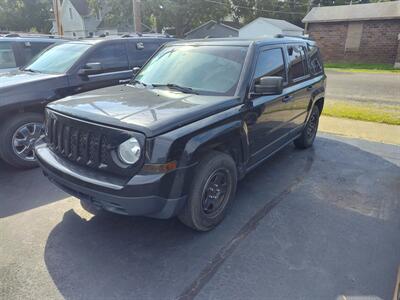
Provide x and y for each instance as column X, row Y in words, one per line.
column 364, row 68
column 373, row 112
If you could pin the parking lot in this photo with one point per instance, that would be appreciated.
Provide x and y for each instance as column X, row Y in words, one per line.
column 314, row 224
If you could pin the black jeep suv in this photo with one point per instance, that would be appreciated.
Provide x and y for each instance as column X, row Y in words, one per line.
column 195, row 119
column 62, row 70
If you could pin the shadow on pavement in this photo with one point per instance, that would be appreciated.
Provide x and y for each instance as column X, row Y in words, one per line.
column 22, row 190
column 110, row 256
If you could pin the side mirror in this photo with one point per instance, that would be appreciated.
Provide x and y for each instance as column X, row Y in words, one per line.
column 269, row 85
column 90, row 69
column 135, row 70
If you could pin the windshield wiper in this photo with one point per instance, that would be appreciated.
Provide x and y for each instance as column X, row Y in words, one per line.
column 177, row 87
column 133, row 81
column 29, row 70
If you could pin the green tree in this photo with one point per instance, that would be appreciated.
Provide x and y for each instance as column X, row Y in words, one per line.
column 290, row 10
column 184, row 15
column 25, row 15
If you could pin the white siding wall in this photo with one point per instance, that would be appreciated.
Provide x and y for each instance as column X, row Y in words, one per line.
column 258, row 28
column 75, row 24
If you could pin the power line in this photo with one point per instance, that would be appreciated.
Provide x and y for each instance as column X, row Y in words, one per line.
column 257, row 9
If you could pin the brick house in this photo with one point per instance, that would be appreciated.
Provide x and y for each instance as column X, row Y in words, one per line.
column 360, row 33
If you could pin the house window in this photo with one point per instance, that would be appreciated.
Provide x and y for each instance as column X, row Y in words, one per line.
column 70, row 13
column 353, row 39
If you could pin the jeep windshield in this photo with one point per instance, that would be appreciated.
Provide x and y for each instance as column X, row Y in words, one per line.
column 57, row 59
column 209, row 70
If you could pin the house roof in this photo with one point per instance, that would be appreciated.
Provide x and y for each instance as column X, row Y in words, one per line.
column 81, row 6
column 281, row 24
column 232, row 24
column 356, row 12
column 210, row 24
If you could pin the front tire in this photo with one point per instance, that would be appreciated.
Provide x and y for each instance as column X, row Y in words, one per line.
column 212, row 191
column 18, row 136
column 307, row 137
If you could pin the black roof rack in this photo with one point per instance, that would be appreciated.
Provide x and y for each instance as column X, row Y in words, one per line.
column 280, row 35
column 12, row 35
column 33, row 35
column 139, row 34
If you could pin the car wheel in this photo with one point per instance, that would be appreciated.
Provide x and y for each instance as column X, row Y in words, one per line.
column 212, row 190
column 307, row 137
column 18, row 137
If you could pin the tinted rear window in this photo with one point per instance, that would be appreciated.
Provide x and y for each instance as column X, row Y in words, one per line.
column 315, row 60
column 31, row 49
column 139, row 51
column 297, row 62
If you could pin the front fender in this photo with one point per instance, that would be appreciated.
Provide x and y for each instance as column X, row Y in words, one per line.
column 231, row 137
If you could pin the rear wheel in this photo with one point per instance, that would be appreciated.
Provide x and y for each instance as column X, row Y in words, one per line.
column 307, row 137
column 213, row 188
column 18, row 137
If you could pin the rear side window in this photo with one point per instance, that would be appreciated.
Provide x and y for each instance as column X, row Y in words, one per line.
column 297, row 63
column 31, row 49
column 315, row 60
column 111, row 56
column 7, row 58
column 34, row 48
column 140, row 51
column 270, row 63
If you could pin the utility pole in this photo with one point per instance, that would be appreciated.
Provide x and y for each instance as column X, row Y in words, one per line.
column 56, row 10
column 308, row 10
column 137, row 18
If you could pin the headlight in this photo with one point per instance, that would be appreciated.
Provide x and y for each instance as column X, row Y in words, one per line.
column 129, row 151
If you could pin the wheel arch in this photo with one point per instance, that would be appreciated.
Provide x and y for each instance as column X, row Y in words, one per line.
column 230, row 138
column 320, row 104
column 10, row 112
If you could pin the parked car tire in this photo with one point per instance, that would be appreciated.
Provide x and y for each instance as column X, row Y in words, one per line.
column 212, row 191
column 18, row 136
column 307, row 137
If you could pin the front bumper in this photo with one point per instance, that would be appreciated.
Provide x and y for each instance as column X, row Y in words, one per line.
column 154, row 195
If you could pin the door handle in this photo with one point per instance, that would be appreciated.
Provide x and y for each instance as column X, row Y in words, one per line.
column 309, row 88
column 287, row 98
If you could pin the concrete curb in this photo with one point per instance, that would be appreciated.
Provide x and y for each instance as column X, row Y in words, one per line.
column 377, row 132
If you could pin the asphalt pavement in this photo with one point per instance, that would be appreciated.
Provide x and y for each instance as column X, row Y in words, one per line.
column 315, row 224
column 367, row 87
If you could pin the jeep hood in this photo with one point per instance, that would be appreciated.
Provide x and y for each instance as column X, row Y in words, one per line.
column 150, row 111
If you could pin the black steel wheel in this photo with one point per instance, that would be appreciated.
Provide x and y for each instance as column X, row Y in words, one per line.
column 216, row 192
column 212, row 191
column 309, row 133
